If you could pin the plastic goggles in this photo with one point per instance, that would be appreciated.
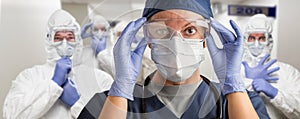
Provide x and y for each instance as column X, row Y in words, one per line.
column 166, row 28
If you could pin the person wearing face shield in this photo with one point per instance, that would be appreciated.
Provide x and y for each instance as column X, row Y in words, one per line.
column 276, row 81
column 62, row 86
column 176, row 32
column 100, row 52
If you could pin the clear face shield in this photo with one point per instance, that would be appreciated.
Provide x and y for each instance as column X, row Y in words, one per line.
column 64, row 40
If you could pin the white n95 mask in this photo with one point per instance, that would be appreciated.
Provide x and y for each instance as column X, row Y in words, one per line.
column 256, row 48
column 65, row 48
column 177, row 58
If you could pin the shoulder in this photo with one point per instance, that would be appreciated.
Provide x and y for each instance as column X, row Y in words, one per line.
column 34, row 70
column 286, row 66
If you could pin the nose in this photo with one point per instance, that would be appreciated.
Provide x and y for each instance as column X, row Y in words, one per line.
column 256, row 43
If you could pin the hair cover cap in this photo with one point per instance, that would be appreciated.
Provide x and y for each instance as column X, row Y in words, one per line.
column 201, row 7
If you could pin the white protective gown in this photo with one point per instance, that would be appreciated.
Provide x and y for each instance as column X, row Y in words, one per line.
column 287, row 102
column 35, row 95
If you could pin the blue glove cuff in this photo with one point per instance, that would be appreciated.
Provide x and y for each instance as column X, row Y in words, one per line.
column 122, row 89
column 233, row 84
column 274, row 93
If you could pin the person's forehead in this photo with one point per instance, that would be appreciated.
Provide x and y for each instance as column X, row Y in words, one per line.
column 257, row 34
column 176, row 14
column 64, row 33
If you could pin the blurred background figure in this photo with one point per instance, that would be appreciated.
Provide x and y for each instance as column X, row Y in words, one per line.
column 277, row 82
column 99, row 52
column 62, row 86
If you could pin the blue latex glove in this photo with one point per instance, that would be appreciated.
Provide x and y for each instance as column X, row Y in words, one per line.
column 70, row 94
column 85, row 35
column 227, row 61
column 62, row 69
column 261, row 85
column 261, row 70
column 98, row 44
column 128, row 63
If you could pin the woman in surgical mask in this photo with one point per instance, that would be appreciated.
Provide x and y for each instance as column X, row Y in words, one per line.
column 176, row 32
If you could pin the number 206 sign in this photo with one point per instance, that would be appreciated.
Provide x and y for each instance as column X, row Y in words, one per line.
column 239, row 10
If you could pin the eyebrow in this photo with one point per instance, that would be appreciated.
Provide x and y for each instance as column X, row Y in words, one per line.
column 187, row 24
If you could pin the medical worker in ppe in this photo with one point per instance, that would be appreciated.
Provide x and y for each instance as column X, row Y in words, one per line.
column 100, row 52
column 277, row 82
column 176, row 31
column 61, row 87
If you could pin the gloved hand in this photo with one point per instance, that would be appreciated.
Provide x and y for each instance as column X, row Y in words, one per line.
column 261, row 85
column 62, row 69
column 227, row 61
column 70, row 94
column 98, row 44
column 85, row 35
column 128, row 63
column 261, row 70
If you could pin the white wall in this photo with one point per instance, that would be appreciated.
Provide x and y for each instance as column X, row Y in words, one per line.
column 79, row 11
column 288, row 29
column 22, row 34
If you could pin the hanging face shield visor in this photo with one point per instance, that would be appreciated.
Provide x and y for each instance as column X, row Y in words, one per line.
column 177, row 45
column 64, row 40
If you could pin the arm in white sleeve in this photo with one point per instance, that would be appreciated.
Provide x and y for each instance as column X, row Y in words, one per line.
column 102, row 82
column 30, row 96
column 106, row 61
column 288, row 97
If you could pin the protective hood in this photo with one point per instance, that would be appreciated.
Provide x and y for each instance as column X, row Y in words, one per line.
column 258, row 23
column 61, row 19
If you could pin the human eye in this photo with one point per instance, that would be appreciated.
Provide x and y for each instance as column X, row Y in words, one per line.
column 57, row 39
column 251, row 39
column 262, row 39
column 190, row 31
column 71, row 39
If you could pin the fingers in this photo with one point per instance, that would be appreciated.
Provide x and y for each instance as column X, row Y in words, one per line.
column 245, row 65
column 237, row 31
column 273, row 70
column 224, row 34
column 272, row 78
column 128, row 34
column 212, row 47
column 141, row 47
column 256, row 87
column 269, row 64
column 84, row 29
column 263, row 60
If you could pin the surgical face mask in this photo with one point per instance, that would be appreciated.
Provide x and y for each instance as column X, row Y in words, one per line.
column 99, row 30
column 256, row 48
column 177, row 58
column 98, row 34
column 255, row 45
column 65, row 48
